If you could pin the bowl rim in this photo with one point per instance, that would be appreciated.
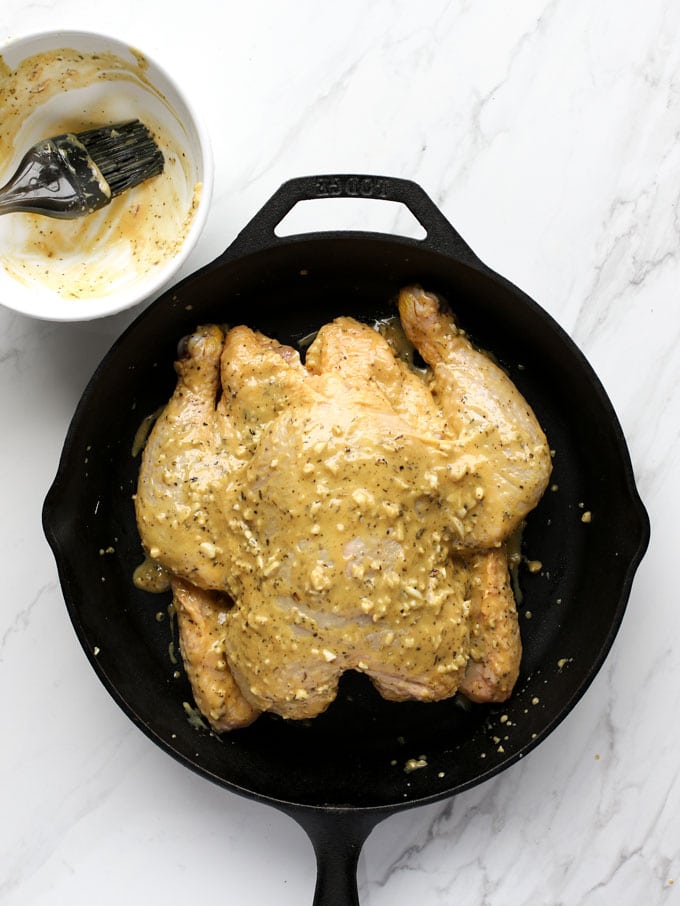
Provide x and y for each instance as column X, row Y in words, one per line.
column 149, row 286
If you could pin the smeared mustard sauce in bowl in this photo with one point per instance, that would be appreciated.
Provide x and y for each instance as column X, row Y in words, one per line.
column 116, row 255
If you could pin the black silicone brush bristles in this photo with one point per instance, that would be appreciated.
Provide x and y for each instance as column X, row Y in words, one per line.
column 126, row 154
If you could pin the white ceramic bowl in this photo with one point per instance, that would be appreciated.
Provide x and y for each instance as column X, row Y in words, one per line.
column 128, row 251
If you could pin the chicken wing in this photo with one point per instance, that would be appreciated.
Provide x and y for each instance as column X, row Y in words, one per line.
column 492, row 427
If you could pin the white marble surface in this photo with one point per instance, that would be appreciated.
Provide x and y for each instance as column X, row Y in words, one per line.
column 547, row 131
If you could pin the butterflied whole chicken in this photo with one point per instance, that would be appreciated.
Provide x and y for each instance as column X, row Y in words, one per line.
column 348, row 513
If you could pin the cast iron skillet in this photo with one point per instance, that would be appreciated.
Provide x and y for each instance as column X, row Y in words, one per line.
column 342, row 773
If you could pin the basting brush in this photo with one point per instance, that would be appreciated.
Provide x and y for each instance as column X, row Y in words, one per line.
column 73, row 174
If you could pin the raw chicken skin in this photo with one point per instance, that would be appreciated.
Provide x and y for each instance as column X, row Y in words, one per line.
column 352, row 509
column 495, row 645
column 201, row 617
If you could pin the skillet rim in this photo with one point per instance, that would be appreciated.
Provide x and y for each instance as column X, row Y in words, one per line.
column 50, row 525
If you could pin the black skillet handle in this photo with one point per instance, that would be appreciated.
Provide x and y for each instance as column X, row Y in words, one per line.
column 440, row 235
column 337, row 838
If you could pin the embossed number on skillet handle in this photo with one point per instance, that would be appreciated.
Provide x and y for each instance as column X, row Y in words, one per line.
column 440, row 234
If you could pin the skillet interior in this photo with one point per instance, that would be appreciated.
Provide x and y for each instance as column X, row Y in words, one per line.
column 354, row 755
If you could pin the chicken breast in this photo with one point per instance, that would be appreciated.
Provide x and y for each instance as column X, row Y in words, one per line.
column 352, row 509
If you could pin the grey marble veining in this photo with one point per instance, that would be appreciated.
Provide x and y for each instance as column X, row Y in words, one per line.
column 547, row 131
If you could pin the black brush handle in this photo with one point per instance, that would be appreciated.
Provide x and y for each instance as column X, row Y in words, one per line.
column 55, row 177
column 337, row 837
column 440, row 234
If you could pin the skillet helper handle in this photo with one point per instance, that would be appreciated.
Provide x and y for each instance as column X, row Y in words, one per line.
column 440, row 234
column 337, row 839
